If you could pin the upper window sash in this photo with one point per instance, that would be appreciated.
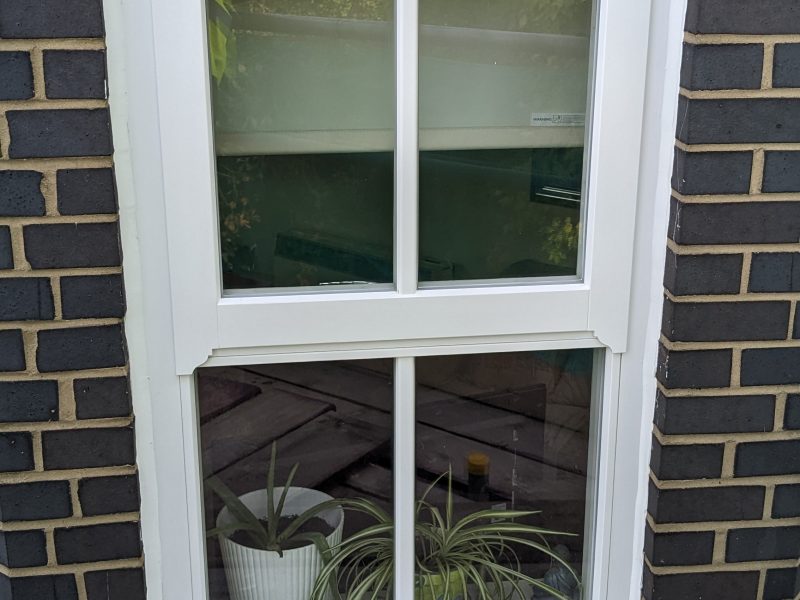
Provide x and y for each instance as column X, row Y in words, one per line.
column 205, row 321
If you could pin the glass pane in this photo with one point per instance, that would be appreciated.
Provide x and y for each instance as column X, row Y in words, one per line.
column 303, row 108
column 503, row 90
column 502, row 432
column 334, row 420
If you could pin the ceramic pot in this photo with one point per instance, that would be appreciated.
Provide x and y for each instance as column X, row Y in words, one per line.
column 254, row 574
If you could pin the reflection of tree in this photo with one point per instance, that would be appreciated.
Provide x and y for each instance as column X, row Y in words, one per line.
column 376, row 10
column 561, row 241
column 557, row 16
column 236, row 213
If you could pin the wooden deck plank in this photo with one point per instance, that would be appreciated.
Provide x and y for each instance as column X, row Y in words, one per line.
column 512, row 431
column 254, row 424
column 528, row 481
column 323, row 447
column 219, row 391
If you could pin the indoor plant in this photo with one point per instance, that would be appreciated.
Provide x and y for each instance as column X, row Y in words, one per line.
column 270, row 538
column 470, row 558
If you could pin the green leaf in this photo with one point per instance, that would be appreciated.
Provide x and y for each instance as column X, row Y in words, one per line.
column 245, row 519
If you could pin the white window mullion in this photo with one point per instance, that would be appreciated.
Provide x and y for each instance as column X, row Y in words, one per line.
column 404, row 477
column 406, row 171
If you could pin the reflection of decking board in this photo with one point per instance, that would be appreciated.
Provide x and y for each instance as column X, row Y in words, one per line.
column 332, row 420
column 323, row 446
column 253, row 424
column 222, row 391
column 514, row 477
column 497, row 427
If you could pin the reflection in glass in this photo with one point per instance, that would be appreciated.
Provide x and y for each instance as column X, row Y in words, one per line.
column 503, row 90
column 513, row 430
column 303, row 104
column 496, row 432
column 332, row 420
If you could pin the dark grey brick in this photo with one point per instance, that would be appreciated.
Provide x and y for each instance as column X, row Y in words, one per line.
column 767, row 458
column 108, row 495
column 6, row 251
column 763, row 543
column 26, row 299
column 735, row 223
column 775, row 272
column 796, row 332
column 750, row 120
column 121, row 584
column 770, row 366
column 687, row 275
column 41, row 587
column 16, row 75
column 63, row 246
column 786, row 66
column 792, row 414
column 97, row 542
column 712, row 172
column 20, row 549
column 722, row 66
column 742, row 585
column 80, row 348
column 86, row 191
column 85, row 448
column 94, row 296
column 694, row 369
column 781, row 172
column 75, row 73
column 706, row 504
column 782, row 584
column 51, row 18
column 21, row 194
column 714, row 414
column 52, row 133
column 102, row 397
column 698, row 461
column 673, row 549
column 12, row 351
column 33, row 501
column 786, row 503
column 28, row 401
column 16, row 451
column 743, row 16
column 725, row 321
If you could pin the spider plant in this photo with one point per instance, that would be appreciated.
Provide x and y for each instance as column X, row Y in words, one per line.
column 476, row 551
column 264, row 534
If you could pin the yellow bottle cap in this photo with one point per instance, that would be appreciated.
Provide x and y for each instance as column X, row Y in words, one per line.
column 477, row 463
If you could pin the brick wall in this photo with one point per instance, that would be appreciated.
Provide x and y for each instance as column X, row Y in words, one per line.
column 69, row 497
column 724, row 509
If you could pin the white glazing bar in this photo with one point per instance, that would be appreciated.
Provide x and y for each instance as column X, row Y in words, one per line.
column 404, row 477
column 406, row 161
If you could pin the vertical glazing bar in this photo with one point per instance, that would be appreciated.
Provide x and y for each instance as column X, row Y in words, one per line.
column 406, row 145
column 404, row 477
column 600, row 475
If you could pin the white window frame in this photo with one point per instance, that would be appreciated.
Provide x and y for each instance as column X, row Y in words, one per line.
column 207, row 322
column 178, row 319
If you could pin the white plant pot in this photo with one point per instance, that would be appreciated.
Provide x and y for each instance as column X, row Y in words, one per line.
column 264, row 575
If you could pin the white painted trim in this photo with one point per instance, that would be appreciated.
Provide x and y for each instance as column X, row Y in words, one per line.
column 118, row 76
column 137, row 168
column 405, row 476
column 429, row 314
column 406, row 151
column 616, row 142
column 637, row 376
